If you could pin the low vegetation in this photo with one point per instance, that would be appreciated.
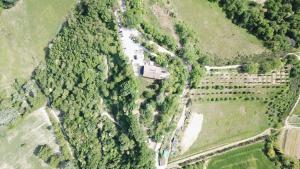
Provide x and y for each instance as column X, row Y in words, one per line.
column 246, row 157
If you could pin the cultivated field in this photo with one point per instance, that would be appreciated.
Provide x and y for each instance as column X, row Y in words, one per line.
column 25, row 31
column 232, row 85
column 249, row 157
column 290, row 142
column 216, row 34
column 18, row 143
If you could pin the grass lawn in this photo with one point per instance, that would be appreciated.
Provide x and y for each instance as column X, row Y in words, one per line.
column 18, row 143
column 297, row 110
column 226, row 122
column 25, row 31
column 249, row 157
column 216, row 34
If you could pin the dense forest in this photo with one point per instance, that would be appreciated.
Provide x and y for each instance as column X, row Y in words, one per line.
column 84, row 65
column 277, row 22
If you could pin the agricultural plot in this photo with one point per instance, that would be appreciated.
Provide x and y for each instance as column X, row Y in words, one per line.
column 216, row 34
column 234, row 106
column 156, row 14
column 249, row 157
column 231, row 85
column 290, row 142
column 25, row 31
column 19, row 142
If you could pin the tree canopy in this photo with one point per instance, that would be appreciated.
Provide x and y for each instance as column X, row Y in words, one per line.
column 74, row 79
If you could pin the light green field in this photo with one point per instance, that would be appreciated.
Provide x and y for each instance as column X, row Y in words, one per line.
column 17, row 144
column 297, row 110
column 25, row 31
column 226, row 122
column 216, row 34
column 250, row 157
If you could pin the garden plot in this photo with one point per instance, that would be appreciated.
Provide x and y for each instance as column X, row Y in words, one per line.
column 233, row 77
column 231, row 85
column 19, row 142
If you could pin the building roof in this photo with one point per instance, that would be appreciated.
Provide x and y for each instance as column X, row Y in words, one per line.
column 155, row 72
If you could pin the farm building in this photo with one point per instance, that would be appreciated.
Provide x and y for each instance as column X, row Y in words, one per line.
column 154, row 72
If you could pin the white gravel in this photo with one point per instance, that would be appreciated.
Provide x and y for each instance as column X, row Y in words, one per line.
column 192, row 131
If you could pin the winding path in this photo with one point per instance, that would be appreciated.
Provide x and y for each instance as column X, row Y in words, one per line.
column 208, row 68
column 296, row 54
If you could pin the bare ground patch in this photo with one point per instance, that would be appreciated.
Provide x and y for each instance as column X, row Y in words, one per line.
column 165, row 20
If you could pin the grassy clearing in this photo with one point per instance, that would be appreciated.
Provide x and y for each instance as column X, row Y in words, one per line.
column 25, row 31
column 19, row 142
column 226, row 122
column 249, row 157
column 216, row 34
